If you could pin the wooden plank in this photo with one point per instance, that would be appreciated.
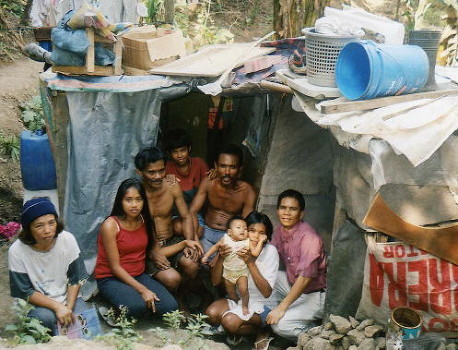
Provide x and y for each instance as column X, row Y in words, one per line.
column 117, row 64
column 211, row 61
column 439, row 241
column 301, row 84
column 341, row 105
column 90, row 55
column 81, row 70
column 268, row 85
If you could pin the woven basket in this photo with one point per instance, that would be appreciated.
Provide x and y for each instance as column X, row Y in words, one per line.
column 322, row 51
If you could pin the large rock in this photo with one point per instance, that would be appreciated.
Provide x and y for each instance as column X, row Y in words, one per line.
column 353, row 321
column 302, row 339
column 364, row 324
column 451, row 346
column 356, row 336
column 380, row 342
column 315, row 330
column 372, row 330
column 341, row 325
column 335, row 338
column 346, row 343
column 367, row 344
column 319, row 344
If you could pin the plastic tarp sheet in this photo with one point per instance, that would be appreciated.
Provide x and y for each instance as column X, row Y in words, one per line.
column 105, row 132
column 346, row 271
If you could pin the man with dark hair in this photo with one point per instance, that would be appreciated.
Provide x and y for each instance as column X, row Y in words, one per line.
column 226, row 195
column 301, row 288
column 162, row 197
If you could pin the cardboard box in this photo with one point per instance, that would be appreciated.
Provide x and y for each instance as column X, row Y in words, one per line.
column 146, row 48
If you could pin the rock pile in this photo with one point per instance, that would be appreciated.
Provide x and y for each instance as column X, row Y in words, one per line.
column 338, row 333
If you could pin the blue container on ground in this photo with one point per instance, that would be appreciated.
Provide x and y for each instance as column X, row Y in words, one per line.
column 37, row 164
column 365, row 70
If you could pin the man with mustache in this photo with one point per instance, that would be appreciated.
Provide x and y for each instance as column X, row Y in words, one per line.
column 162, row 197
column 225, row 196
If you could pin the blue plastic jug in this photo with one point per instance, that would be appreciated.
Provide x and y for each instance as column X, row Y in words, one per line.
column 366, row 70
column 37, row 164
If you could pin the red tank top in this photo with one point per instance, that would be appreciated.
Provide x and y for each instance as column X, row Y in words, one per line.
column 132, row 252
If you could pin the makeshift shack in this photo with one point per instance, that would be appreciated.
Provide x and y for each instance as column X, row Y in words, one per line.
column 338, row 161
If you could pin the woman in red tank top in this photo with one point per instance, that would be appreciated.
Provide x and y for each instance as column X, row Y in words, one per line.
column 124, row 239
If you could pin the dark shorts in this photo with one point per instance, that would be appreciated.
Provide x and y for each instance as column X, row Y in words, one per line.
column 152, row 269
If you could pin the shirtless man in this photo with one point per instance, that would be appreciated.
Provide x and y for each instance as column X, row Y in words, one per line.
column 226, row 195
column 172, row 251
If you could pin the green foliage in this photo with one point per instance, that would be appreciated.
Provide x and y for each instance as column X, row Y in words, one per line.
column 194, row 325
column 9, row 146
column 15, row 7
column 123, row 336
column 155, row 10
column 26, row 330
column 32, row 114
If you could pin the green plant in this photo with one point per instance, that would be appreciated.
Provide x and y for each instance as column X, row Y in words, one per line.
column 174, row 319
column 155, row 10
column 9, row 146
column 123, row 335
column 15, row 7
column 27, row 330
column 33, row 114
column 196, row 323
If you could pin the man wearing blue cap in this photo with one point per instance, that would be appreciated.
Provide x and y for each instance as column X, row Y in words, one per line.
column 45, row 266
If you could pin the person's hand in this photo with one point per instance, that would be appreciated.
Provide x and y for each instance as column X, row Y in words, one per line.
column 64, row 315
column 172, row 179
column 160, row 260
column 195, row 245
column 204, row 260
column 211, row 173
column 275, row 315
column 245, row 255
column 192, row 254
column 150, row 298
column 224, row 250
column 263, row 238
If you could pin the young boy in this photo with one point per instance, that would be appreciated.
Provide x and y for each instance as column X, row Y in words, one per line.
column 190, row 171
column 235, row 270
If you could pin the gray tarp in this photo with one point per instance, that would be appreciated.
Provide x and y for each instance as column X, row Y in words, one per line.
column 105, row 132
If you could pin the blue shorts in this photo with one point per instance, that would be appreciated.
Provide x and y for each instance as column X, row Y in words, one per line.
column 210, row 237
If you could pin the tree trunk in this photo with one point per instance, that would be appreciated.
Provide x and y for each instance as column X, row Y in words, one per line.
column 290, row 16
column 169, row 8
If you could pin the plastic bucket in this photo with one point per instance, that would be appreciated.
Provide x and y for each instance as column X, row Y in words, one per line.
column 407, row 321
column 37, row 164
column 365, row 70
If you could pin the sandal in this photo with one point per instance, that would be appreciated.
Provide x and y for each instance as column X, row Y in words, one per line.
column 263, row 344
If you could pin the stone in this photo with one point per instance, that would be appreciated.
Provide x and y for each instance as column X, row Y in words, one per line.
column 441, row 347
column 326, row 334
column 367, row 344
column 328, row 326
column 364, row 324
column 303, row 339
column 451, row 346
column 354, row 323
column 335, row 338
column 346, row 343
column 315, row 330
column 356, row 336
column 341, row 324
column 371, row 330
column 353, row 347
column 380, row 342
column 319, row 344
column 294, row 348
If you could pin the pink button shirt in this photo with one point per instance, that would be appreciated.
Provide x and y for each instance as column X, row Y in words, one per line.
column 302, row 253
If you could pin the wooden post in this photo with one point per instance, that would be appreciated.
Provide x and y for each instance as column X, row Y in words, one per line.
column 90, row 56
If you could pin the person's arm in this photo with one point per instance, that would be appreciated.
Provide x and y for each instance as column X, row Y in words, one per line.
column 261, row 283
column 159, row 259
column 200, row 197
column 211, row 251
column 72, row 294
column 296, row 291
column 178, row 247
column 257, row 249
column 250, row 201
column 216, row 271
column 63, row 312
column 109, row 231
column 188, row 229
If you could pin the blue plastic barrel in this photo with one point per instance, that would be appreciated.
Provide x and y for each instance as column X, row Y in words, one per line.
column 37, row 165
column 366, row 70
